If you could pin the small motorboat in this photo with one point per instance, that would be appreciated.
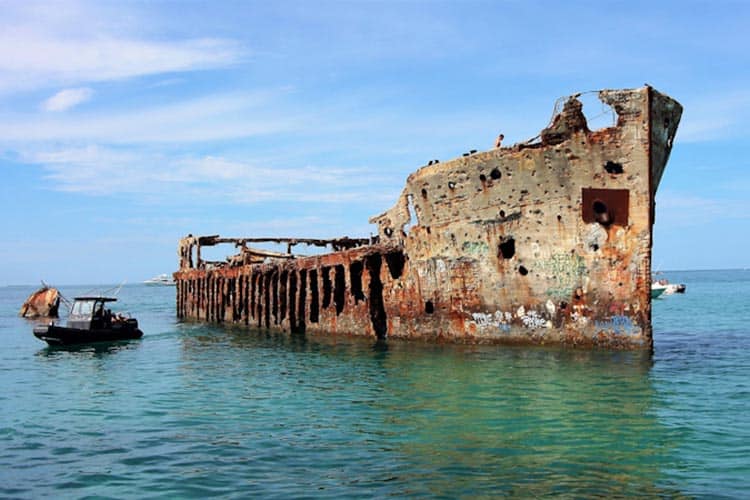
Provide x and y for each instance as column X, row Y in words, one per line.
column 162, row 279
column 663, row 287
column 657, row 290
column 90, row 321
column 671, row 288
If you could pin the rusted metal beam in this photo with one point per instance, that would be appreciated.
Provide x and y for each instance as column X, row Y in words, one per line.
column 343, row 242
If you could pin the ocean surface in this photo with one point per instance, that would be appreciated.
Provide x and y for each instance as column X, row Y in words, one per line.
column 194, row 411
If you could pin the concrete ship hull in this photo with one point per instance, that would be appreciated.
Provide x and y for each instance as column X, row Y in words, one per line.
column 544, row 242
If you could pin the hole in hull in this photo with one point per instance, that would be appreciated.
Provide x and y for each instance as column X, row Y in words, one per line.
column 507, row 248
column 355, row 277
column 327, row 288
column 377, row 307
column 302, row 301
column 395, row 261
column 314, row 311
column 283, row 295
column 339, row 291
column 275, row 295
column 292, row 301
column 613, row 167
column 267, row 299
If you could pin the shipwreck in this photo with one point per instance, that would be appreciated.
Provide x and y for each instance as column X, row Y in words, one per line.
column 543, row 242
column 43, row 303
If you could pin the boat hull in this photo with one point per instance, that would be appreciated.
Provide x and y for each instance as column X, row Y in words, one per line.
column 59, row 335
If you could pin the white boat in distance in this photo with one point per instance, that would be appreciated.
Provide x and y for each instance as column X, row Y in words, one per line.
column 162, row 279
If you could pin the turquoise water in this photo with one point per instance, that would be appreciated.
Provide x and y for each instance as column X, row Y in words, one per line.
column 193, row 411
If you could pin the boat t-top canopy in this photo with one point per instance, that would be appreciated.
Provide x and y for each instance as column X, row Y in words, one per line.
column 100, row 299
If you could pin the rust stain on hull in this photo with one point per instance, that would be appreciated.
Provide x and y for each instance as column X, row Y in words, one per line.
column 544, row 242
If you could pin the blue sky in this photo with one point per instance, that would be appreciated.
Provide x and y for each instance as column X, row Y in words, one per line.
column 126, row 125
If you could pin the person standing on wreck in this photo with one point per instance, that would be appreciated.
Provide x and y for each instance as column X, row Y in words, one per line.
column 499, row 141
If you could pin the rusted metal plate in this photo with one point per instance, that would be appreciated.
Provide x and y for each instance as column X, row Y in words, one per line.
column 605, row 206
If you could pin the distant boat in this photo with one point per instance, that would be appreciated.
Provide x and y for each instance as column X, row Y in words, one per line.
column 657, row 290
column 667, row 288
column 162, row 279
column 674, row 288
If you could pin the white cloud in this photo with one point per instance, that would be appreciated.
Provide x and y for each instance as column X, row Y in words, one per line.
column 67, row 98
column 202, row 119
column 108, row 58
column 40, row 54
column 320, row 125
column 102, row 171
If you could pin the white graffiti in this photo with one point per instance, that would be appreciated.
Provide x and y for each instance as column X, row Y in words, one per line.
column 533, row 320
column 579, row 318
column 503, row 319
column 496, row 320
column 440, row 265
column 550, row 307
column 482, row 319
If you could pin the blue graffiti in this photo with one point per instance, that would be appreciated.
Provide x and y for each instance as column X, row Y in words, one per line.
column 618, row 324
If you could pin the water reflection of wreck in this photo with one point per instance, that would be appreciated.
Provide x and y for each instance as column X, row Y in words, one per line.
column 547, row 241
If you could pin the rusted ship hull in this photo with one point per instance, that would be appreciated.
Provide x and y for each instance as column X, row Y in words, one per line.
column 544, row 242
column 43, row 303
